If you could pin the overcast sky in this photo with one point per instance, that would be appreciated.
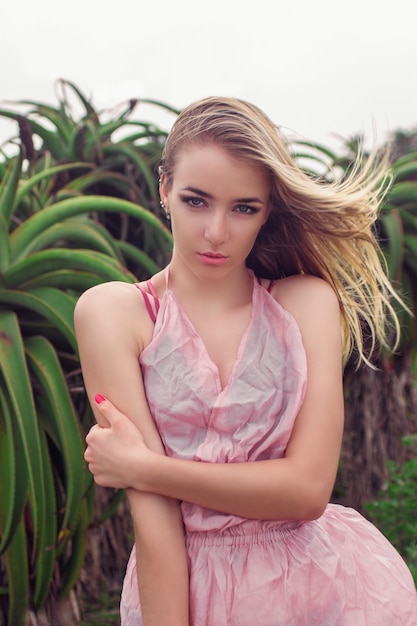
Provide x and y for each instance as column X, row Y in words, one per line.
column 319, row 68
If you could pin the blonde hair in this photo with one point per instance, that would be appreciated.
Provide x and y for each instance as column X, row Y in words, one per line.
column 317, row 228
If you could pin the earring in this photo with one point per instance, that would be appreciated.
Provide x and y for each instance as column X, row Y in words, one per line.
column 167, row 213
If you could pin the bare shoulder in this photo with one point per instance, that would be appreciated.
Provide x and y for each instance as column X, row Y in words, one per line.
column 110, row 298
column 302, row 288
column 114, row 308
column 307, row 298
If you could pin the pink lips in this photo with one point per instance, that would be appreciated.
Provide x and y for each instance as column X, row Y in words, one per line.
column 212, row 258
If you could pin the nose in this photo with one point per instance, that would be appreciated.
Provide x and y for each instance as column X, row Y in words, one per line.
column 216, row 230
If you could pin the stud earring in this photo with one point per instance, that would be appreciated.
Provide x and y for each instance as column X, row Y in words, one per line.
column 167, row 213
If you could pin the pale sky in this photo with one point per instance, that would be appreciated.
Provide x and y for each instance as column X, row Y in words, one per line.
column 319, row 68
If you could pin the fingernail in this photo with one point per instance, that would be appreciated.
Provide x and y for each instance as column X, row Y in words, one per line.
column 99, row 398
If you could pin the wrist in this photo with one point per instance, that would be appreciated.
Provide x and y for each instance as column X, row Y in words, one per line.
column 147, row 470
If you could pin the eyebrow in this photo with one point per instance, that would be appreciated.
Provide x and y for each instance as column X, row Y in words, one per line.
column 205, row 194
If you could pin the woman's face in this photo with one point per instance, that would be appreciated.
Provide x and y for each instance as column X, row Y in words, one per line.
column 217, row 204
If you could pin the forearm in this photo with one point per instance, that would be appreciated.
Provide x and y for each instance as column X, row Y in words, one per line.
column 275, row 489
column 110, row 342
column 161, row 560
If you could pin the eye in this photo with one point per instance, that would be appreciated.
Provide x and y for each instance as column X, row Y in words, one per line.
column 192, row 201
column 245, row 209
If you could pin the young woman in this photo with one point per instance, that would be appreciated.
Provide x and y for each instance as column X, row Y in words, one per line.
column 217, row 388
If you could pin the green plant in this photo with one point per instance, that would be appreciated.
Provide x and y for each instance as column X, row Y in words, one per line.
column 53, row 246
column 78, row 206
column 395, row 510
column 106, row 153
column 104, row 610
column 381, row 405
column 396, row 228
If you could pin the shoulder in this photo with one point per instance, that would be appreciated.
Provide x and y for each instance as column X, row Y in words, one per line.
column 298, row 290
column 108, row 297
column 310, row 300
column 113, row 308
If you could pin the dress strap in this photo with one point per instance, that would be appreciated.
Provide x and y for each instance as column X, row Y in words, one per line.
column 152, row 313
column 270, row 284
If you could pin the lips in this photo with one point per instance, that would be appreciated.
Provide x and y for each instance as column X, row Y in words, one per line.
column 213, row 258
column 213, row 255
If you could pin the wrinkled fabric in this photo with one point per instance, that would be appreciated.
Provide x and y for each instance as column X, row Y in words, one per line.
column 338, row 570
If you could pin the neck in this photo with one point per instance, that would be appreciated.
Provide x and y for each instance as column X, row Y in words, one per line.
column 218, row 292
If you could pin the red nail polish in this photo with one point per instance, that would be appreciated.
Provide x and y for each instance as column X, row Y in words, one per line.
column 99, row 398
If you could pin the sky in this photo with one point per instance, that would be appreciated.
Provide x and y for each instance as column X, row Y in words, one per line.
column 322, row 70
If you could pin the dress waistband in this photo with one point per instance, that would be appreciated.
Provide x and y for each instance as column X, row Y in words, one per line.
column 240, row 536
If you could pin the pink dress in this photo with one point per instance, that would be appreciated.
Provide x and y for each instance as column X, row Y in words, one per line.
column 338, row 570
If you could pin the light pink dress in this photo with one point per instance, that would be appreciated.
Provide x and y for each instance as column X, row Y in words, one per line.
column 338, row 570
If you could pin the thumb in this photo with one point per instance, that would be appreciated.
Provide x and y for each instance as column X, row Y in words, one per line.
column 107, row 410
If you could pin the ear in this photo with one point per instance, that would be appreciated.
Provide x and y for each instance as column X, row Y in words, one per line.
column 163, row 188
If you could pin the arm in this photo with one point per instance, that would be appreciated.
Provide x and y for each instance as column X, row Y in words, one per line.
column 297, row 486
column 106, row 319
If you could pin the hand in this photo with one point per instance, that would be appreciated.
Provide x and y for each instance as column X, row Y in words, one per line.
column 114, row 452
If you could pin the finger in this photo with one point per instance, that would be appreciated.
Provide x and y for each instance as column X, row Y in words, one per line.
column 107, row 409
column 90, row 435
column 87, row 455
column 101, row 404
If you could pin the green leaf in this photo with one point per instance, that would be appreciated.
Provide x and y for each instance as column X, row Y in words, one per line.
column 410, row 255
column 392, row 243
column 45, row 563
column 154, row 134
column 319, row 148
column 61, row 122
column 90, row 111
column 83, row 134
column 4, row 245
column 76, row 233
column 50, row 138
column 112, row 179
column 14, row 490
column 52, row 304
column 71, row 569
column 16, row 379
column 48, row 173
column 62, row 422
column 409, row 220
column 9, row 185
column 404, row 171
column 411, row 243
column 63, row 279
column 162, row 105
column 136, row 255
column 18, row 578
column 406, row 158
column 403, row 192
column 44, row 261
column 32, row 227
column 133, row 155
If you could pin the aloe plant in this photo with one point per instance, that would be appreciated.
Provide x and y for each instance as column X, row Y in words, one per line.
column 119, row 156
column 78, row 206
column 399, row 239
column 381, row 405
column 54, row 244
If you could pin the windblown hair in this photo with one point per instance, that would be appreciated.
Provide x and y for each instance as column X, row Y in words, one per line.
column 314, row 227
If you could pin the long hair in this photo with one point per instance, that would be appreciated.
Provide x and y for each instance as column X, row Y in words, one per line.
column 317, row 228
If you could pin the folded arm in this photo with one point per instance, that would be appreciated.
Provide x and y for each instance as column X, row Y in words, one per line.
column 110, row 332
column 297, row 486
